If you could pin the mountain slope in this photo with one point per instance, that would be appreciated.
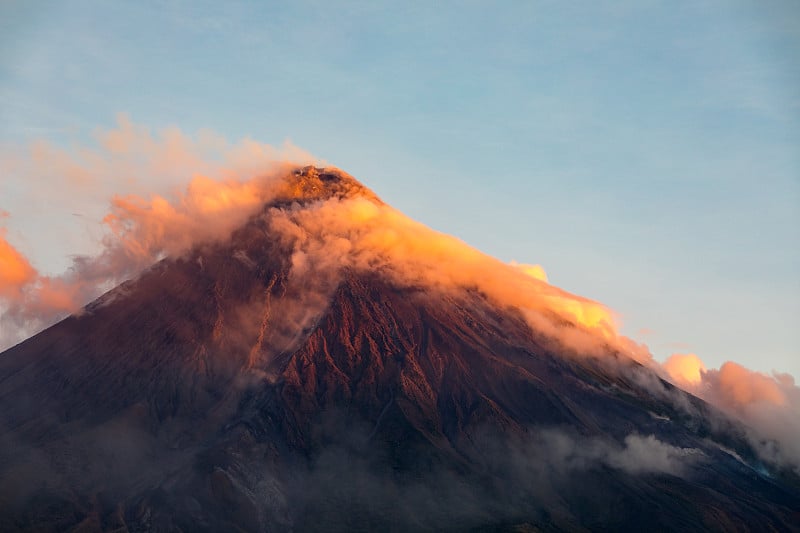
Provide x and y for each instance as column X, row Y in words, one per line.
column 230, row 389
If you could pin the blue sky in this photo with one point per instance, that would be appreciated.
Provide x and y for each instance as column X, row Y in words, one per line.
column 646, row 153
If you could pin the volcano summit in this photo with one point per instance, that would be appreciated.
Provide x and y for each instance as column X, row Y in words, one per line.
column 331, row 365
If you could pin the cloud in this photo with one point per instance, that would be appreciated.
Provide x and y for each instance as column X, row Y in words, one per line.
column 144, row 229
column 26, row 296
column 15, row 270
column 647, row 454
column 369, row 236
column 685, row 369
column 130, row 157
column 555, row 451
column 738, row 386
column 153, row 195
column 534, row 271
column 769, row 405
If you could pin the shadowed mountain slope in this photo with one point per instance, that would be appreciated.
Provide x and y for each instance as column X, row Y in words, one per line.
column 222, row 391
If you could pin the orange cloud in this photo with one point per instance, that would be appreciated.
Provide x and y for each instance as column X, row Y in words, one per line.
column 366, row 234
column 27, row 297
column 685, row 369
column 152, row 212
column 738, row 386
column 768, row 405
column 534, row 271
column 15, row 270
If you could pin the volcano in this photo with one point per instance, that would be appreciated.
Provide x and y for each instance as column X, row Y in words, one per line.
column 307, row 374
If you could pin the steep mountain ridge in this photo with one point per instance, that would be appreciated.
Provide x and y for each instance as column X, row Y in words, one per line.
column 223, row 391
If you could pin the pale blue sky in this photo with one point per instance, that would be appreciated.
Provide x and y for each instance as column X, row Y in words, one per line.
column 646, row 153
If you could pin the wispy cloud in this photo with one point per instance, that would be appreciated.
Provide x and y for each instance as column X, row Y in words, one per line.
column 160, row 192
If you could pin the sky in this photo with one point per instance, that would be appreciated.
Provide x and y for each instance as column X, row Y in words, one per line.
column 645, row 153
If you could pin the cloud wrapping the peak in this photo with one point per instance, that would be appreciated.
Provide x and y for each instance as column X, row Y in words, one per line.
column 150, row 195
column 365, row 235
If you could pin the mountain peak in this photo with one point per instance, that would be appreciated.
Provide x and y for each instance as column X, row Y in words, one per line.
column 334, row 365
column 312, row 183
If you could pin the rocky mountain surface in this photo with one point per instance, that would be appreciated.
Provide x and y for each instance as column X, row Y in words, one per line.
column 219, row 391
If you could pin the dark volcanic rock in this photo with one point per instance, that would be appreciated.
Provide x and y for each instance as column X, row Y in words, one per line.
column 211, row 395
